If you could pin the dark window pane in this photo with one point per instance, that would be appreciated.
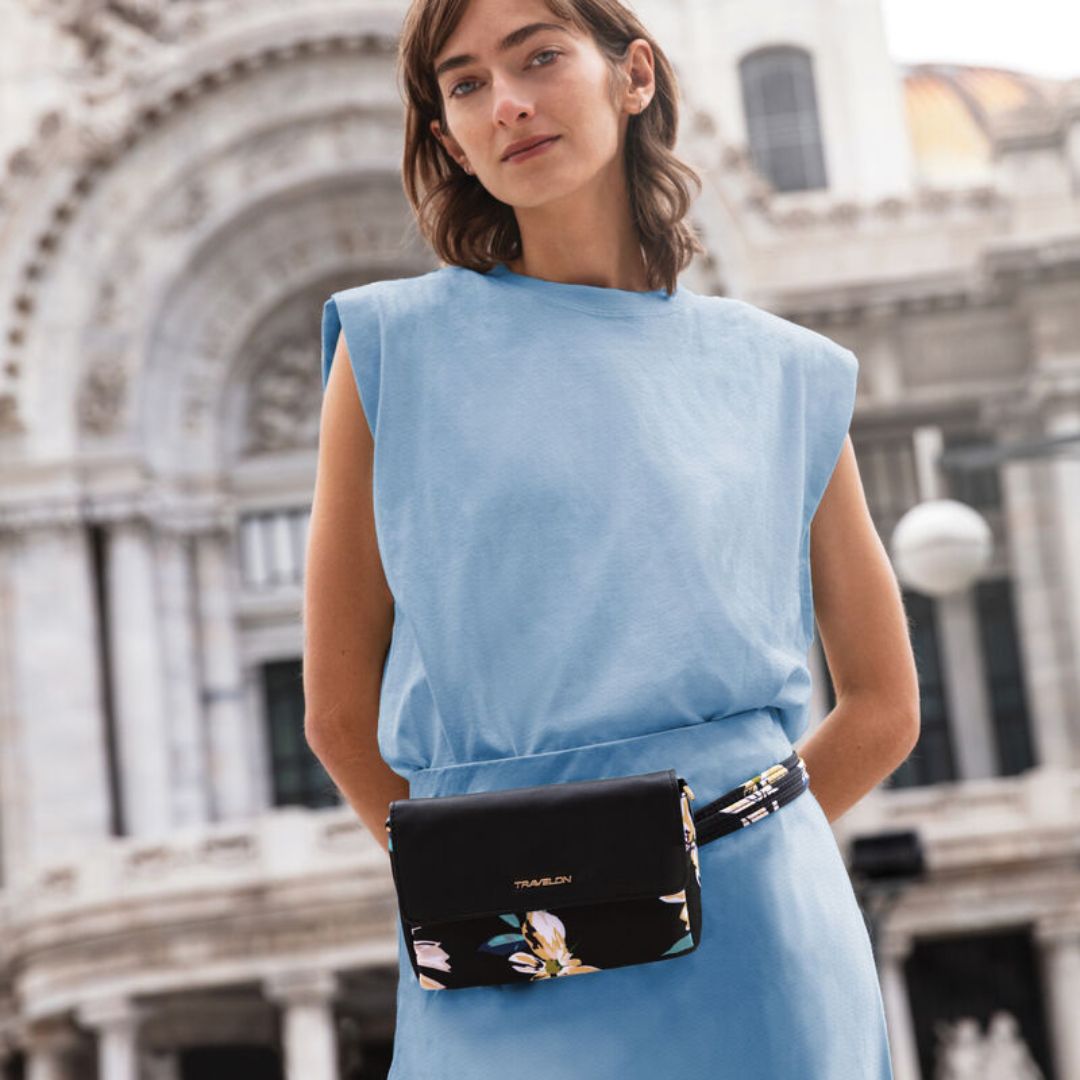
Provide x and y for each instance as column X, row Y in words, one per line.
column 297, row 775
column 1004, row 675
column 779, row 91
column 976, row 485
column 931, row 761
column 887, row 468
column 782, row 122
column 229, row 1062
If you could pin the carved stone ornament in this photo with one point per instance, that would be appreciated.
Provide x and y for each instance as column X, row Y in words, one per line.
column 285, row 400
column 101, row 399
column 10, row 421
column 965, row 1053
column 109, row 33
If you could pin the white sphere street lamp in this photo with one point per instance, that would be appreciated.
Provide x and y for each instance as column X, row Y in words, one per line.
column 941, row 546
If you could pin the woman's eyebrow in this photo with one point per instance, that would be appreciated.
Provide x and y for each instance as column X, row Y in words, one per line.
column 513, row 39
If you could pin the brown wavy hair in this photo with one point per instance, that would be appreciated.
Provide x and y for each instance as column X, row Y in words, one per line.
column 465, row 224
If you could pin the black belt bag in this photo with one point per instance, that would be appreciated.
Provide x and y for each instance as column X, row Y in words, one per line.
column 533, row 883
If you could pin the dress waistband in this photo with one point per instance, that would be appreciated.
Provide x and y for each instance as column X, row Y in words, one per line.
column 712, row 754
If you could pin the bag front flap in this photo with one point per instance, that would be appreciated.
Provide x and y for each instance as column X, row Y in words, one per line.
column 534, row 848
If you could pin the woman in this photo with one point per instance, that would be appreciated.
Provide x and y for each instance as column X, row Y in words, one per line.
column 561, row 530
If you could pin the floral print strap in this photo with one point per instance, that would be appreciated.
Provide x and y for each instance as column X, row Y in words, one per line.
column 753, row 799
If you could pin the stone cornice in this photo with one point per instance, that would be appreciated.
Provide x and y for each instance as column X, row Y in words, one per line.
column 802, row 212
column 168, row 513
column 1005, row 271
column 134, row 912
column 974, row 825
column 885, row 302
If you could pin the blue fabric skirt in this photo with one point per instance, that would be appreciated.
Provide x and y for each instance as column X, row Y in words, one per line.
column 783, row 981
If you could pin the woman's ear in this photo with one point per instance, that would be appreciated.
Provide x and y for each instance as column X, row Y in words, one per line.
column 449, row 144
column 639, row 75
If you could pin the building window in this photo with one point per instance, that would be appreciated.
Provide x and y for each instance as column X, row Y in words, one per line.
column 1004, row 675
column 889, row 476
column 297, row 776
column 782, row 122
column 978, row 485
column 932, row 760
column 272, row 549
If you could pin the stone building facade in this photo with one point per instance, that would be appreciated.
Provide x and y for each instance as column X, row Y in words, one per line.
column 182, row 184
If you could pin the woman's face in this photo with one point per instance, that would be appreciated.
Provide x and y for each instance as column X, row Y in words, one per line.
column 551, row 81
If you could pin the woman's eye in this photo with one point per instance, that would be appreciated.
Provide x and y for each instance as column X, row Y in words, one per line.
column 546, row 52
column 465, row 82
column 454, row 90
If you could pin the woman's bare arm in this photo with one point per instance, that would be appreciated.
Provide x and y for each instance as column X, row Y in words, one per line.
column 348, row 609
column 864, row 632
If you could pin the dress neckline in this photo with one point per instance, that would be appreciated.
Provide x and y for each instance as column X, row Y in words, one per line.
column 600, row 299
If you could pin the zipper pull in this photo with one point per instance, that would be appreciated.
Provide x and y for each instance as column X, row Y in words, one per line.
column 689, row 790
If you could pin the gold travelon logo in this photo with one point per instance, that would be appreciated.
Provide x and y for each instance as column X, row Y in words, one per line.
column 529, row 883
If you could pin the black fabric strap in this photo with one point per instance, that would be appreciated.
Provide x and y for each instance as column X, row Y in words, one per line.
column 753, row 799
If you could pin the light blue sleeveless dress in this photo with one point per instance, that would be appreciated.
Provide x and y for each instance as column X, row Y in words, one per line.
column 593, row 509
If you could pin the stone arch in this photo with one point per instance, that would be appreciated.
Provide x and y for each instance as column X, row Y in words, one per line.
column 219, row 334
column 91, row 282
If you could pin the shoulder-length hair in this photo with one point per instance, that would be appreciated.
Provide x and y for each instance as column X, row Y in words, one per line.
column 465, row 224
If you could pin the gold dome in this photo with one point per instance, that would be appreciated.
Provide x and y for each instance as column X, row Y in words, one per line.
column 952, row 108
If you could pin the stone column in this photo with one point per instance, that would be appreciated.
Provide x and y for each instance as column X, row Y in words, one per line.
column 138, row 670
column 310, row 1036
column 1063, row 418
column 48, row 1044
column 1053, row 409
column 55, row 770
column 187, row 736
column 973, row 738
column 234, row 754
column 892, row 950
column 1043, row 625
column 116, row 1022
column 1059, row 941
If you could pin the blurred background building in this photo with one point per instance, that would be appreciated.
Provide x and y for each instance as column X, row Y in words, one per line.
column 183, row 895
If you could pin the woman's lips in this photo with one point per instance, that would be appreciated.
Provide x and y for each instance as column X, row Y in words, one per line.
column 539, row 148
